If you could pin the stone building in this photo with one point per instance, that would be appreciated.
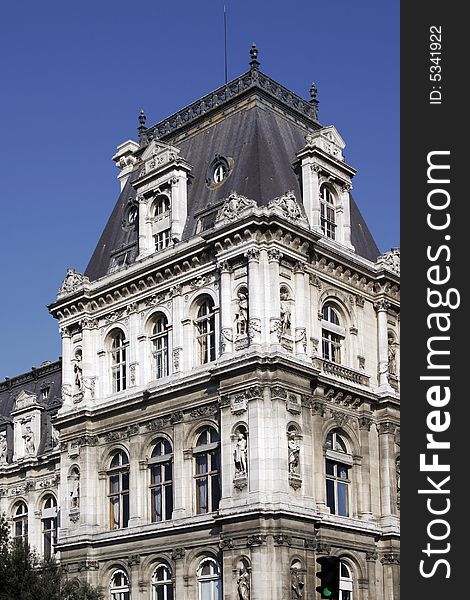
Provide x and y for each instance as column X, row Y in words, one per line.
column 226, row 409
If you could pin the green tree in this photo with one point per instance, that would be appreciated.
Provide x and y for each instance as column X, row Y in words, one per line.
column 24, row 576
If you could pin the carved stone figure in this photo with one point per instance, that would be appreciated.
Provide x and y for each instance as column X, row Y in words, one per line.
column 390, row 260
column 240, row 454
column 78, row 372
column 397, row 468
column 29, row 447
column 233, row 206
column 73, row 279
column 241, row 316
column 294, row 452
column 392, row 356
column 54, row 437
column 75, row 491
column 243, row 583
column 287, row 204
column 285, row 312
column 3, row 449
column 297, row 585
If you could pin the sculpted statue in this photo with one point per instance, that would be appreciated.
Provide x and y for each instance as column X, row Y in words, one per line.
column 55, row 437
column 297, row 585
column 3, row 449
column 294, row 452
column 29, row 447
column 392, row 357
column 75, row 491
column 78, row 372
column 285, row 312
column 243, row 583
column 240, row 454
column 241, row 316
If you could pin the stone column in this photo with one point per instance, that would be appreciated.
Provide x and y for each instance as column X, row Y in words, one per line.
column 382, row 307
column 391, row 579
column 371, row 558
column 254, row 297
column 136, row 372
column 89, row 328
column 365, row 423
column 189, row 359
column 319, row 485
column 67, row 367
column 226, row 319
column 176, row 359
column 346, row 216
column 181, row 483
column 273, row 302
column 310, row 192
column 179, row 203
column 386, row 432
column 301, row 316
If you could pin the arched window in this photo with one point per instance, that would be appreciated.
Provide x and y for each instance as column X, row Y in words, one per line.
column 20, row 522
column 162, row 583
column 161, row 481
column 161, row 205
column 118, row 361
column 118, row 490
column 332, row 333
column 205, row 331
column 207, row 475
column 345, row 582
column 209, row 580
column 327, row 212
column 119, row 586
column 49, row 525
column 159, row 340
column 338, row 464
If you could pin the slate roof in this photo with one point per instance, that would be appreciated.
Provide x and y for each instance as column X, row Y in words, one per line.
column 262, row 135
column 46, row 376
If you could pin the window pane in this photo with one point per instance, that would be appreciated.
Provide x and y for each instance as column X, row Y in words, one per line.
column 157, row 504
column 330, row 468
column 215, row 492
column 125, row 481
column 342, row 472
column 201, row 463
column 330, row 496
column 125, row 510
column 201, row 490
column 206, row 590
column 168, row 501
column 342, row 499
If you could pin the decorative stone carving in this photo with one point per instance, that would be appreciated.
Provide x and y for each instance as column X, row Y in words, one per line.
column 241, row 313
column 243, row 581
column 254, row 327
column 234, row 206
column 120, row 434
column 365, row 422
column 372, row 555
column 133, row 559
column 297, row 585
column 281, row 538
column 29, row 445
column 226, row 543
column 202, row 412
column 391, row 558
column 225, row 336
column 89, row 386
column 397, row 471
column 72, row 282
column 294, row 454
column 252, row 254
column 75, row 490
column 254, row 540
column 178, row 553
column 392, row 356
column 240, row 454
column 390, row 260
column 286, row 317
column 274, row 255
column 287, row 206
column 3, row 448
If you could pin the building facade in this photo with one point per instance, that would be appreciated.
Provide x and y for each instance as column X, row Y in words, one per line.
column 226, row 409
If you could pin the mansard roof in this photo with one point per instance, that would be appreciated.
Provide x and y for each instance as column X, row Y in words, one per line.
column 30, row 385
column 255, row 122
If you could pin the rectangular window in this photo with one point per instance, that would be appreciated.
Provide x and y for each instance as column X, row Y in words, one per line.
column 162, row 239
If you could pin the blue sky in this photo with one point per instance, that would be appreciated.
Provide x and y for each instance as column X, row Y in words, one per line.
column 76, row 74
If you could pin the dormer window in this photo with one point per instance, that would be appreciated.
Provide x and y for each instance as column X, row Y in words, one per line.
column 162, row 239
column 218, row 171
column 327, row 212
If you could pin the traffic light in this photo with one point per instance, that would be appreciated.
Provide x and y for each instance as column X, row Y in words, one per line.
column 329, row 577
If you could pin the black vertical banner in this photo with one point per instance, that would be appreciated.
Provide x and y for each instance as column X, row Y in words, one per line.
column 435, row 360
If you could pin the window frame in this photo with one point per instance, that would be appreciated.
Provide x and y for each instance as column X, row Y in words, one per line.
column 206, row 350
column 328, row 222
column 216, row 591
column 167, row 585
column 162, row 462
column 160, row 356
column 119, row 497
column 338, row 487
column 332, row 333
column 49, row 525
column 207, row 483
column 120, row 592
column 21, row 520
column 118, row 350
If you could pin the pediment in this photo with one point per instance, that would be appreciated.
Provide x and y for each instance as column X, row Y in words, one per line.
column 25, row 399
column 327, row 139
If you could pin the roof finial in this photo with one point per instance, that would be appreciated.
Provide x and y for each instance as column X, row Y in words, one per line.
column 142, row 129
column 254, row 64
column 313, row 91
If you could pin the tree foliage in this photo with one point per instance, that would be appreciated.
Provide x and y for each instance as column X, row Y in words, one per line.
column 24, row 576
